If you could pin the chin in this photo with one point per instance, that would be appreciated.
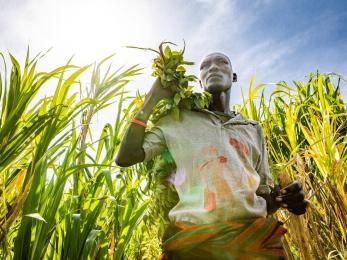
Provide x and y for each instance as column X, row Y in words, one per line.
column 215, row 88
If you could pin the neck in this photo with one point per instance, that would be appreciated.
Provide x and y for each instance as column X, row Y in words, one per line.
column 220, row 102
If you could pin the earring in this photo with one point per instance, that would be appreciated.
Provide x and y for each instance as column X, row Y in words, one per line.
column 200, row 83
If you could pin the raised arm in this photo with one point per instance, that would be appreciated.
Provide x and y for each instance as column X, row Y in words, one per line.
column 131, row 151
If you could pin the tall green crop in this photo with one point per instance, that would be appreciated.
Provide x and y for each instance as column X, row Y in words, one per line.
column 306, row 131
column 62, row 196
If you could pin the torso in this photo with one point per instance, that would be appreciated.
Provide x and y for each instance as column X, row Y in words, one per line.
column 216, row 158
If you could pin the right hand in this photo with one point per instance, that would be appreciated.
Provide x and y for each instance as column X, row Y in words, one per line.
column 292, row 197
column 157, row 91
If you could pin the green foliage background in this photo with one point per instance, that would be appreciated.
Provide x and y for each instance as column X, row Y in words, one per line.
column 63, row 197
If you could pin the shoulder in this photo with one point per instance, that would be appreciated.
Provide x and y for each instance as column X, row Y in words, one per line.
column 169, row 120
column 247, row 120
column 244, row 120
column 256, row 126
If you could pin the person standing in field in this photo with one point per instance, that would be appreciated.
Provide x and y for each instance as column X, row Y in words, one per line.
column 222, row 177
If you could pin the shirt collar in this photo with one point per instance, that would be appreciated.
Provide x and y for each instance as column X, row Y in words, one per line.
column 236, row 118
column 218, row 113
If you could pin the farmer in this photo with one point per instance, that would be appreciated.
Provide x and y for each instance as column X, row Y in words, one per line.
column 222, row 174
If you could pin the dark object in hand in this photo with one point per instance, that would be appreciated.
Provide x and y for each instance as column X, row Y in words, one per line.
column 292, row 197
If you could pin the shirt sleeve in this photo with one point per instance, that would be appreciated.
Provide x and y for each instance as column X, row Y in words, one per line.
column 154, row 143
column 263, row 167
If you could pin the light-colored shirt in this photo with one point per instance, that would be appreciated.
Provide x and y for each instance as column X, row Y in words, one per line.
column 222, row 165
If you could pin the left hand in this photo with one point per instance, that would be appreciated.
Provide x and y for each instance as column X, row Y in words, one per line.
column 292, row 197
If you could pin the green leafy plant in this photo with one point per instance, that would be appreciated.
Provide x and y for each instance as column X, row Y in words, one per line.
column 306, row 131
column 63, row 197
column 61, row 194
column 169, row 67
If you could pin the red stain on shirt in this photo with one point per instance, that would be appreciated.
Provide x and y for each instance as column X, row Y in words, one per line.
column 202, row 166
column 239, row 146
column 209, row 200
column 222, row 159
column 213, row 176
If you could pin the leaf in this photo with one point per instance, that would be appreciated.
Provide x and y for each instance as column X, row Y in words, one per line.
column 175, row 113
column 177, row 98
column 167, row 52
column 180, row 69
column 188, row 62
column 36, row 216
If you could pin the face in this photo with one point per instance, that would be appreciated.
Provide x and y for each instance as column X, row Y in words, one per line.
column 216, row 73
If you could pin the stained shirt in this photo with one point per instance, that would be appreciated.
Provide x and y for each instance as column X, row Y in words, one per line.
column 222, row 165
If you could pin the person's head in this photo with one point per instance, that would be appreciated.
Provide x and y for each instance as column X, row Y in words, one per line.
column 216, row 73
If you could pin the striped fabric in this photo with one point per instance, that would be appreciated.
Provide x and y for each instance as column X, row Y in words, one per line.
column 254, row 239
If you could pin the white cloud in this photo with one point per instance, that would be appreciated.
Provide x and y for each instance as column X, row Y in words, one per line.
column 266, row 57
column 207, row 34
column 89, row 29
column 262, row 2
column 94, row 29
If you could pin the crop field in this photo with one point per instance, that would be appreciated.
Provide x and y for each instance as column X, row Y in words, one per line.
column 63, row 197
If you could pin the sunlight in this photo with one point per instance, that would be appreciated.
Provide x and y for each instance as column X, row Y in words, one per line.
column 89, row 30
column 97, row 29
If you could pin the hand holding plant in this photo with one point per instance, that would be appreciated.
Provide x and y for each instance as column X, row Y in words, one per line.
column 158, row 92
column 172, row 86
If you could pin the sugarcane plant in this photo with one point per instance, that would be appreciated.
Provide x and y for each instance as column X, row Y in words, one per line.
column 306, row 131
column 61, row 194
column 63, row 197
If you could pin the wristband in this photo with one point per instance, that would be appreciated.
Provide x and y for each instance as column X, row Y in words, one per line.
column 134, row 120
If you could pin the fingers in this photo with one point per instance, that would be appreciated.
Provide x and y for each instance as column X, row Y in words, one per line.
column 298, row 211
column 291, row 197
column 298, row 208
column 293, row 187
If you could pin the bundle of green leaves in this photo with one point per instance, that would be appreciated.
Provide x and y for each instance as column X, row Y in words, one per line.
column 169, row 67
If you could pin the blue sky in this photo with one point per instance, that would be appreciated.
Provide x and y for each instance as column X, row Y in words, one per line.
column 281, row 40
